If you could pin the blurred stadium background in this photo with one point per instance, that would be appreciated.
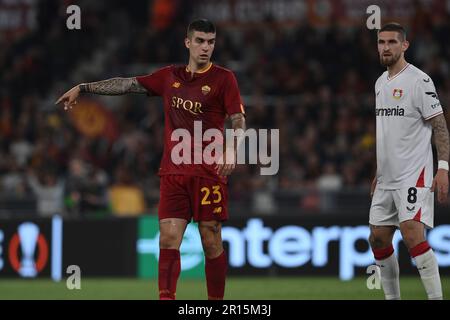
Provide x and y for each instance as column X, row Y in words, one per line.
column 81, row 189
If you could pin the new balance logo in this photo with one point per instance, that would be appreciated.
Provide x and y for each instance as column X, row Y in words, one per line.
column 217, row 210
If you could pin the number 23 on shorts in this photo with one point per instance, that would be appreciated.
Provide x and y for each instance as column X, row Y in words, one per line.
column 211, row 195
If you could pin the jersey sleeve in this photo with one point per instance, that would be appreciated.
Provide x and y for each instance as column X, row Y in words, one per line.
column 426, row 98
column 232, row 97
column 155, row 82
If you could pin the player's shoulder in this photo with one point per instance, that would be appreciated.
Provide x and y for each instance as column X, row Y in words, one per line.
column 416, row 74
column 173, row 68
column 178, row 70
column 161, row 70
column 381, row 79
column 222, row 70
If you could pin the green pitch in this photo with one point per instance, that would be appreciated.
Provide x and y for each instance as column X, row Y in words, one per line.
column 260, row 288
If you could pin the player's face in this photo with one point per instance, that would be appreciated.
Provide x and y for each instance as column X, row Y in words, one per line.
column 201, row 46
column 390, row 47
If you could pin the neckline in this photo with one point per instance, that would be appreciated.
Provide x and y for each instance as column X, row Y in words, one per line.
column 395, row 76
column 204, row 70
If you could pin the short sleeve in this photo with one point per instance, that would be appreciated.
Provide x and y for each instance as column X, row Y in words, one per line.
column 232, row 97
column 426, row 98
column 154, row 82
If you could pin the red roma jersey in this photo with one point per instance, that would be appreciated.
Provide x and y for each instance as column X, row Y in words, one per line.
column 207, row 97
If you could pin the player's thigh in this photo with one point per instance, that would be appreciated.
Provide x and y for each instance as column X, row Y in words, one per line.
column 174, row 201
column 383, row 211
column 416, row 204
column 209, row 200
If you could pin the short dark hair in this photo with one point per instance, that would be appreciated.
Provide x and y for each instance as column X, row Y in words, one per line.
column 202, row 25
column 393, row 26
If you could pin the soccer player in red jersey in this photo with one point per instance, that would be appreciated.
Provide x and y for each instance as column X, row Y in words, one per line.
column 200, row 91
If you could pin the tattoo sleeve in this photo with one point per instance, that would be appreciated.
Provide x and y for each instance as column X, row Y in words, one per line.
column 441, row 137
column 113, row 87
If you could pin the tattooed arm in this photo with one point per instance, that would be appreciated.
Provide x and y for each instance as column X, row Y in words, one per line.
column 227, row 164
column 111, row 87
column 441, row 137
column 442, row 142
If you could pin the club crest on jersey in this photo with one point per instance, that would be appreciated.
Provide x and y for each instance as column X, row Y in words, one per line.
column 176, row 84
column 206, row 90
column 397, row 94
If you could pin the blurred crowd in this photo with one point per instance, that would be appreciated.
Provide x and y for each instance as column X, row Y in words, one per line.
column 313, row 84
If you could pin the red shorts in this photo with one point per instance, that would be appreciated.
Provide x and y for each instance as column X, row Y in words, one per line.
column 187, row 197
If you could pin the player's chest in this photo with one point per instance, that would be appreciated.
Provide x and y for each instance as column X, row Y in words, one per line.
column 395, row 100
column 196, row 98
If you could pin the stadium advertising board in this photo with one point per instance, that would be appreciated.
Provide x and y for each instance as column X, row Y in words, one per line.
column 31, row 248
column 47, row 247
column 319, row 245
column 306, row 245
column 312, row 247
column 101, row 247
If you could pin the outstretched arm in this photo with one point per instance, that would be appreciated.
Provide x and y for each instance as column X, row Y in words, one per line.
column 111, row 87
column 442, row 142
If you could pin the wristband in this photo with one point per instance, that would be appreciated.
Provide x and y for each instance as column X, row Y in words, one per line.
column 442, row 164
